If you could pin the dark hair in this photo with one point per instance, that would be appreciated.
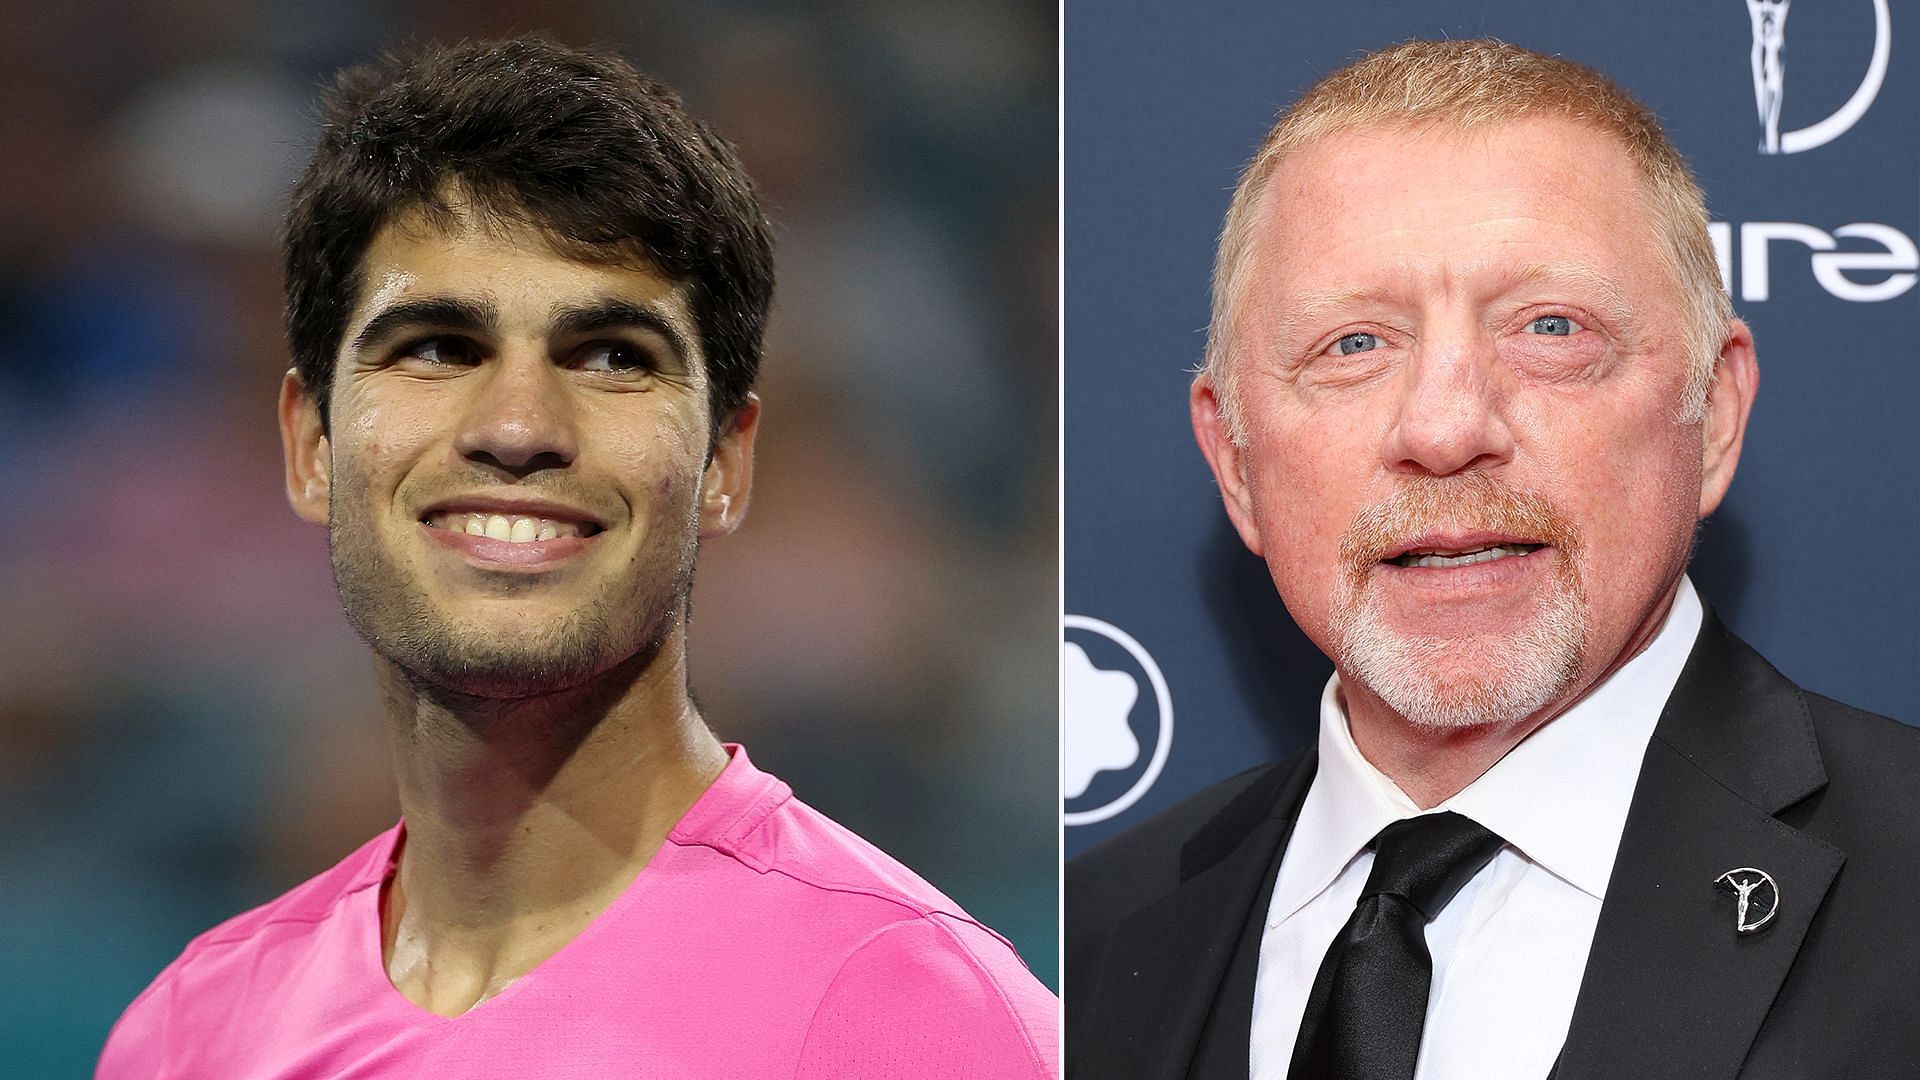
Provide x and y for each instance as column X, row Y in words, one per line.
column 602, row 159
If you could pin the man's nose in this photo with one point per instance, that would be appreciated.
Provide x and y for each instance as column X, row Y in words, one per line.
column 1451, row 412
column 520, row 416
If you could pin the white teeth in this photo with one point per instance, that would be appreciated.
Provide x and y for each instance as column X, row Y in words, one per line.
column 514, row 530
column 1468, row 558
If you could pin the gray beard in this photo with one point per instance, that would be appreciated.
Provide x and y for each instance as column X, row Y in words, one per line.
column 1440, row 683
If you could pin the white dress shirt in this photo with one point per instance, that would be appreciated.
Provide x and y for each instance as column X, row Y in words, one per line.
column 1509, row 951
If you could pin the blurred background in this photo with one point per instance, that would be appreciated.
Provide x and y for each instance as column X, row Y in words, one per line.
column 188, row 726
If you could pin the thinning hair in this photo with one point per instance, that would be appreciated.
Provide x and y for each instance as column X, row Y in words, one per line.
column 1475, row 85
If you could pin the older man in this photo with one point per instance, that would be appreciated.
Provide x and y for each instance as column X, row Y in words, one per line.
column 1471, row 383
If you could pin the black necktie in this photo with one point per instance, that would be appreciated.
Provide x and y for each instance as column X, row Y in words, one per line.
column 1369, row 1000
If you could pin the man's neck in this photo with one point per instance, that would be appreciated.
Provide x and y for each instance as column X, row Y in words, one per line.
column 526, row 818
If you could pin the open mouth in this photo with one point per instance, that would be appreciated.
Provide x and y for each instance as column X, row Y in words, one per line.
column 513, row 528
column 1451, row 557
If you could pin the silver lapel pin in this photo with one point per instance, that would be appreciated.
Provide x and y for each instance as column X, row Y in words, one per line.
column 1758, row 895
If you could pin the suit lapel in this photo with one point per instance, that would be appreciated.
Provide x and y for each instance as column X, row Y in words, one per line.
column 1226, row 1039
column 1671, row 989
column 1167, row 960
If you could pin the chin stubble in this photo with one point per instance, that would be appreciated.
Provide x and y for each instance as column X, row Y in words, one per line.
column 395, row 617
column 1450, row 683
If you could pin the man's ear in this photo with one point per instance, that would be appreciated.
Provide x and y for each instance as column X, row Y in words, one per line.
column 1736, row 379
column 303, row 443
column 1226, row 459
column 728, row 480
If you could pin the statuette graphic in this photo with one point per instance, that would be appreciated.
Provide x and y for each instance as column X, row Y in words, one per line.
column 1769, row 68
column 1768, row 61
column 1758, row 897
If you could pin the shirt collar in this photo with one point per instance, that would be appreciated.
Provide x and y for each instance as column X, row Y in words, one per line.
column 1560, row 797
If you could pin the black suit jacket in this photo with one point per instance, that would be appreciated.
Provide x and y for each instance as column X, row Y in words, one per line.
column 1744, row 769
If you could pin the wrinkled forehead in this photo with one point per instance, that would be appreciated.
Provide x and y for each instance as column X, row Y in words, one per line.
column 1358, row 203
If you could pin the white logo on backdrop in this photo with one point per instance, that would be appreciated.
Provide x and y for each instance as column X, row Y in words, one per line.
column 1892, row 255
column 1769, row 18
column 1102, row 738
column 1095, row 734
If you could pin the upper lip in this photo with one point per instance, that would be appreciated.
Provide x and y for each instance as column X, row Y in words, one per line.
column 512, row 506
column 1442, row 540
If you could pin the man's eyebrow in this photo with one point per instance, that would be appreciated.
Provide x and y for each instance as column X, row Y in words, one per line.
column 1301, row 317
column 441, row 311
column 1592, row 284
column 611, row 313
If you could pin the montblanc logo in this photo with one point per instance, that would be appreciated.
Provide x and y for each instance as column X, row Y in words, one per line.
column 1769, row 62
column 1116, row 721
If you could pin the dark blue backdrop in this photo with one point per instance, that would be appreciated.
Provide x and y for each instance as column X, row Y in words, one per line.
column 1809, row 559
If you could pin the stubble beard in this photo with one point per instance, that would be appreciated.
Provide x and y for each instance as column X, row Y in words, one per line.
column 394, row 615
column 1439, row 682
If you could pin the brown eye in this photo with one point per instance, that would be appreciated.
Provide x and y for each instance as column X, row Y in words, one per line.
column 614, row 356
column 443, row 352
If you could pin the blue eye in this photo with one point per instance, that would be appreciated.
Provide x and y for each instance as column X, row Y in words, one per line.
column 1355, row 343
column 1553, row 325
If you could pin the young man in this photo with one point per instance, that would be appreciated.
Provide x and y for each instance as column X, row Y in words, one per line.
column 525, row 296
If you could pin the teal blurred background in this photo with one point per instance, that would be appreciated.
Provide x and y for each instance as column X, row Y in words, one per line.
column 187, row 725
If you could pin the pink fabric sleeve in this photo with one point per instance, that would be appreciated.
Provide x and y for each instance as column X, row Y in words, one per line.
column 136, row 1047
column 933, row 998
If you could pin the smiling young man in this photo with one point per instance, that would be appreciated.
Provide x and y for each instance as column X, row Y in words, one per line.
column 1471, row 383
column 525, row 294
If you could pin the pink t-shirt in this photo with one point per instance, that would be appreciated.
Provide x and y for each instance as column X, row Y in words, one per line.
column 763, row 940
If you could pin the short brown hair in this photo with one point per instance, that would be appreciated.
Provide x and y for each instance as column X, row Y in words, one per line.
column 603, row 160
column 1464, row 85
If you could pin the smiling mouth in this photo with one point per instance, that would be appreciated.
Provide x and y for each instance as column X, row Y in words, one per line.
column 1450, row 557
column 513, row 528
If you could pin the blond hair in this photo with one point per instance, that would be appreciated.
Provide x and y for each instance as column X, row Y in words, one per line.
column 1462, row 86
